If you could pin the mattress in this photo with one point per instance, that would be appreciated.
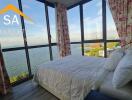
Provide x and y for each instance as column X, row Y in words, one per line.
column 124, row 93
column 72, row 77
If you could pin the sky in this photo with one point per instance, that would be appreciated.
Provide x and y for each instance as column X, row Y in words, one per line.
column 11, row 35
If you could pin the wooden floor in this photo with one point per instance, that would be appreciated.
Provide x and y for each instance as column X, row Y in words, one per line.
column 28, row 91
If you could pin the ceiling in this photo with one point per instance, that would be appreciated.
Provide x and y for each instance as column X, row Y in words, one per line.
column 68, row 3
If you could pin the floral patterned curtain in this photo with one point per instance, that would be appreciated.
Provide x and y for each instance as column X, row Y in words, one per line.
column 62, row 30
column 4, row 79
column 122, row 14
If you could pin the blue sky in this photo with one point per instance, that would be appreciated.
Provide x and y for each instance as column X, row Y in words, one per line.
column 11, row 35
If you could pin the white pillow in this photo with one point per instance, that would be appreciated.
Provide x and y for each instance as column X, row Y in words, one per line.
column 123, row 72
column 114, row 59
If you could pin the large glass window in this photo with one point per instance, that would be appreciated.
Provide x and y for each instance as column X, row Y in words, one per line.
column 11, row 36
column 74, row 29
column 111, row 46
column 52, row 24
column 55, row 51
column 111, row 28
column 38, row 56
column 10, row 26
column 36, row 30
column 52, row 20
column 94, row 49
column 76, row 49
column 93, row 20
column 15, row 62
column 74, row 24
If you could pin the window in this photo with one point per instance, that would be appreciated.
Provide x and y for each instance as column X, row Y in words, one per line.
column 74, row 24
column 112, row 46
column 36, row 31
column 52, row 24
column 93, row 20
column 93, row 28
column 94, row 49
column 111, row 28
column 10, row 31
column 38, row 56
column 76, row 49
column 15, row 62
column 74, row 29
column 55, row 52
column 11, row 36
column 52, row 20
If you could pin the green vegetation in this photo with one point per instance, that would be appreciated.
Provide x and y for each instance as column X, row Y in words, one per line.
column 18, row 77
column 93, row 52
column 97, row 49
column 113, row 45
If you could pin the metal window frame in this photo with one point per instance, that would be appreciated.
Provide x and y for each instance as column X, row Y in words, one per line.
column 104, row 28
column 25, row 39
column 82, row 28
column 50, row 44
column 48, row 30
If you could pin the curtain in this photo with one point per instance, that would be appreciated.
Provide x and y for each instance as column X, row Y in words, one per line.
column 62, row 30
column 4, row 78
column 122, row 14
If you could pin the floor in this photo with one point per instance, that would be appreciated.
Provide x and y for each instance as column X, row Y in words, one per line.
column 28, row 91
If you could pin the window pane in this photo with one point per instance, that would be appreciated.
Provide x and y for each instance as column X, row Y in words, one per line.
column 111, row 28
column 52, row 24
column 55, row 52
column 15, row 62
column 76, row 49
column 112, row 46
column 38, row 56
column 10, row 26
column 74, row 24
column 36, row 30
column 93, row 20
column 94, row 49
column 52, row 19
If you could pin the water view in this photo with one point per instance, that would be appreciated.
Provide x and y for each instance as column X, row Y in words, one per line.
column 16, row 65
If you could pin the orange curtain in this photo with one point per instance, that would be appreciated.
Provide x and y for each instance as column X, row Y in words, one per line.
column 122, row 14
column 62, row 30
column 4, row 78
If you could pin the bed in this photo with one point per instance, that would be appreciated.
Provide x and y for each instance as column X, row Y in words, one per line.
column 72, row 77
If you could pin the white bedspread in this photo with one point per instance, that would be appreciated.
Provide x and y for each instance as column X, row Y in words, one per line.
column 72, row 76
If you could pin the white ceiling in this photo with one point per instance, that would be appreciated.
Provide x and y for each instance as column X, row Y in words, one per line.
column 68, row 3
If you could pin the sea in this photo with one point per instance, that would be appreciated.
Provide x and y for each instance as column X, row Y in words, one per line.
column 16, row 63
